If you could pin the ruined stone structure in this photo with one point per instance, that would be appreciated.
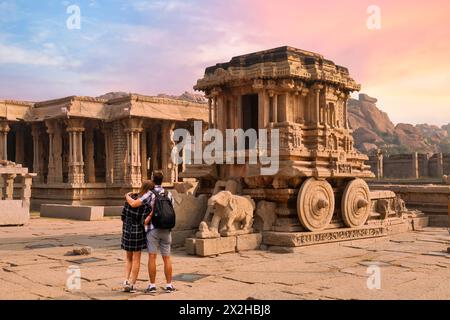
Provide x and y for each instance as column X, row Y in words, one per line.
column 410, row 166
column 15, row 193
column 91, row 151
column 319, row 184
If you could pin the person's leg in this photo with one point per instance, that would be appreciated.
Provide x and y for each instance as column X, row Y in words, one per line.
column 152, row 268
column 136, row 265
column 128, row 264
column 168, row 269
column 152, row 247
column 165, row 243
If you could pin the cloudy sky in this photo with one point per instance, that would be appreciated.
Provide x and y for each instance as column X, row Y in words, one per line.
column 156, row 46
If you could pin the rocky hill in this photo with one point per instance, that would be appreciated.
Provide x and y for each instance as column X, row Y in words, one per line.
column 374, row 130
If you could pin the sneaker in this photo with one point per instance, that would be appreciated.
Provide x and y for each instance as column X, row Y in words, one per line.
column 150, row 290
column 129, row 288
column 170, row 289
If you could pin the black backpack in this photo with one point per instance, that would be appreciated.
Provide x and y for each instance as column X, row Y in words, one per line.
column 163, row 212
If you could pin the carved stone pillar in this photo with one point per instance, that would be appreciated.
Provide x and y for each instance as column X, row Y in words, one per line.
column 55, row 174
column 144, row 169
column 263, row 109
column 133, row 129
column 316, row 103
column 4, row 129
column 37, row 149
column 169, row 169
column 10, row 186
column 75, row 128
column 89, row 153
column 26, row 191
column 109, row 153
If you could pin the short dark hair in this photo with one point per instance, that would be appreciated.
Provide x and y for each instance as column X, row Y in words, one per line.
column 158, row 177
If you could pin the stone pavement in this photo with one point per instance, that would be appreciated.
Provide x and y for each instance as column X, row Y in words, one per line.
column 33, row 265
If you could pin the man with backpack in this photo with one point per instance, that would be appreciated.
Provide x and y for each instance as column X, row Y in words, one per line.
column 160, row 221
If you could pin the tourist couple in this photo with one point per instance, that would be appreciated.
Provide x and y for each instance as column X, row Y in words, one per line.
column 148, row 218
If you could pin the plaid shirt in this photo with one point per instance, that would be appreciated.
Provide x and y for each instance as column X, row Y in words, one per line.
column 133, row 231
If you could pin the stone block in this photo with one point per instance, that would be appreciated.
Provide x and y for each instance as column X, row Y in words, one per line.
column 419, row 223
column 85, row 213
column 248, row 241
column 209, row 247
column 12, row 213
column 189, row 246
column 112, row 211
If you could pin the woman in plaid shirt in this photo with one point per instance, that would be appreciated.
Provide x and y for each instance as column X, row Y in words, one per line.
column 134, row 236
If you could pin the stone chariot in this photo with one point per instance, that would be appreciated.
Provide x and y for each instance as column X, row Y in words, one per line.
column 320, row 181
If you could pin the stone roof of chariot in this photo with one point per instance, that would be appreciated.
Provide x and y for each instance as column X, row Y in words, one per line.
column 281, row 62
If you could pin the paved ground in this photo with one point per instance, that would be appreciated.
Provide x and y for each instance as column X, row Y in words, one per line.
column 33, row 265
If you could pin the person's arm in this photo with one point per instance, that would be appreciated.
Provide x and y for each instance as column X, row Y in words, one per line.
column 148, row 219
column 133, row 203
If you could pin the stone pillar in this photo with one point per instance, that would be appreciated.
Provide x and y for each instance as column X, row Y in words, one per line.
column 75, row 128
column 26, row 191
column 144, row 169
column 415, row 166
column 19, row 146
column 133, row 130
column 89, row 168
column 168, row 167
column 210, row 115
column 380, row 168
column 263, row 109
column 55, row 174
column 4, row 130
column 37, row 146
column 109, row 153
column 10, row 186
column 316, row 103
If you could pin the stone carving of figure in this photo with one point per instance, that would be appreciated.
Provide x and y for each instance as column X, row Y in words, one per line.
column 235, row 213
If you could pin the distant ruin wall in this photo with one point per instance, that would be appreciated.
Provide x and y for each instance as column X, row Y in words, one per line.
column 410, row 166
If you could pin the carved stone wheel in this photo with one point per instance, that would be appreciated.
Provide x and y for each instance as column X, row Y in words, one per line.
column 356, row 203
column 315, row 204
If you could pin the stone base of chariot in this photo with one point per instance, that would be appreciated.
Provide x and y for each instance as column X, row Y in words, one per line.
column 373, row 229
column 215, row 246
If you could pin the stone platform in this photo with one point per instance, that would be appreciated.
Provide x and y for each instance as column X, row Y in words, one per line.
column 374, row 229
column 215, row 246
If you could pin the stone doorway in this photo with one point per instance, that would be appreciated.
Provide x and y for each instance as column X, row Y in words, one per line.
column 99, row 156
column 154, row 159
column 250, row 114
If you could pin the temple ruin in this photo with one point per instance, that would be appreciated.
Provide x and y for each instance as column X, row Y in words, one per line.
column 91, row 151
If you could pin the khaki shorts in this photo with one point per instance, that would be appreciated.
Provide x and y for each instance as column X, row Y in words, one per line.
column 161, row 238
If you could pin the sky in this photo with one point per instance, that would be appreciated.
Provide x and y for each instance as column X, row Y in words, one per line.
column 152, row 47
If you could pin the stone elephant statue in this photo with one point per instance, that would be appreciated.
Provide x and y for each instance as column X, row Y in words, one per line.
column 231, row 209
